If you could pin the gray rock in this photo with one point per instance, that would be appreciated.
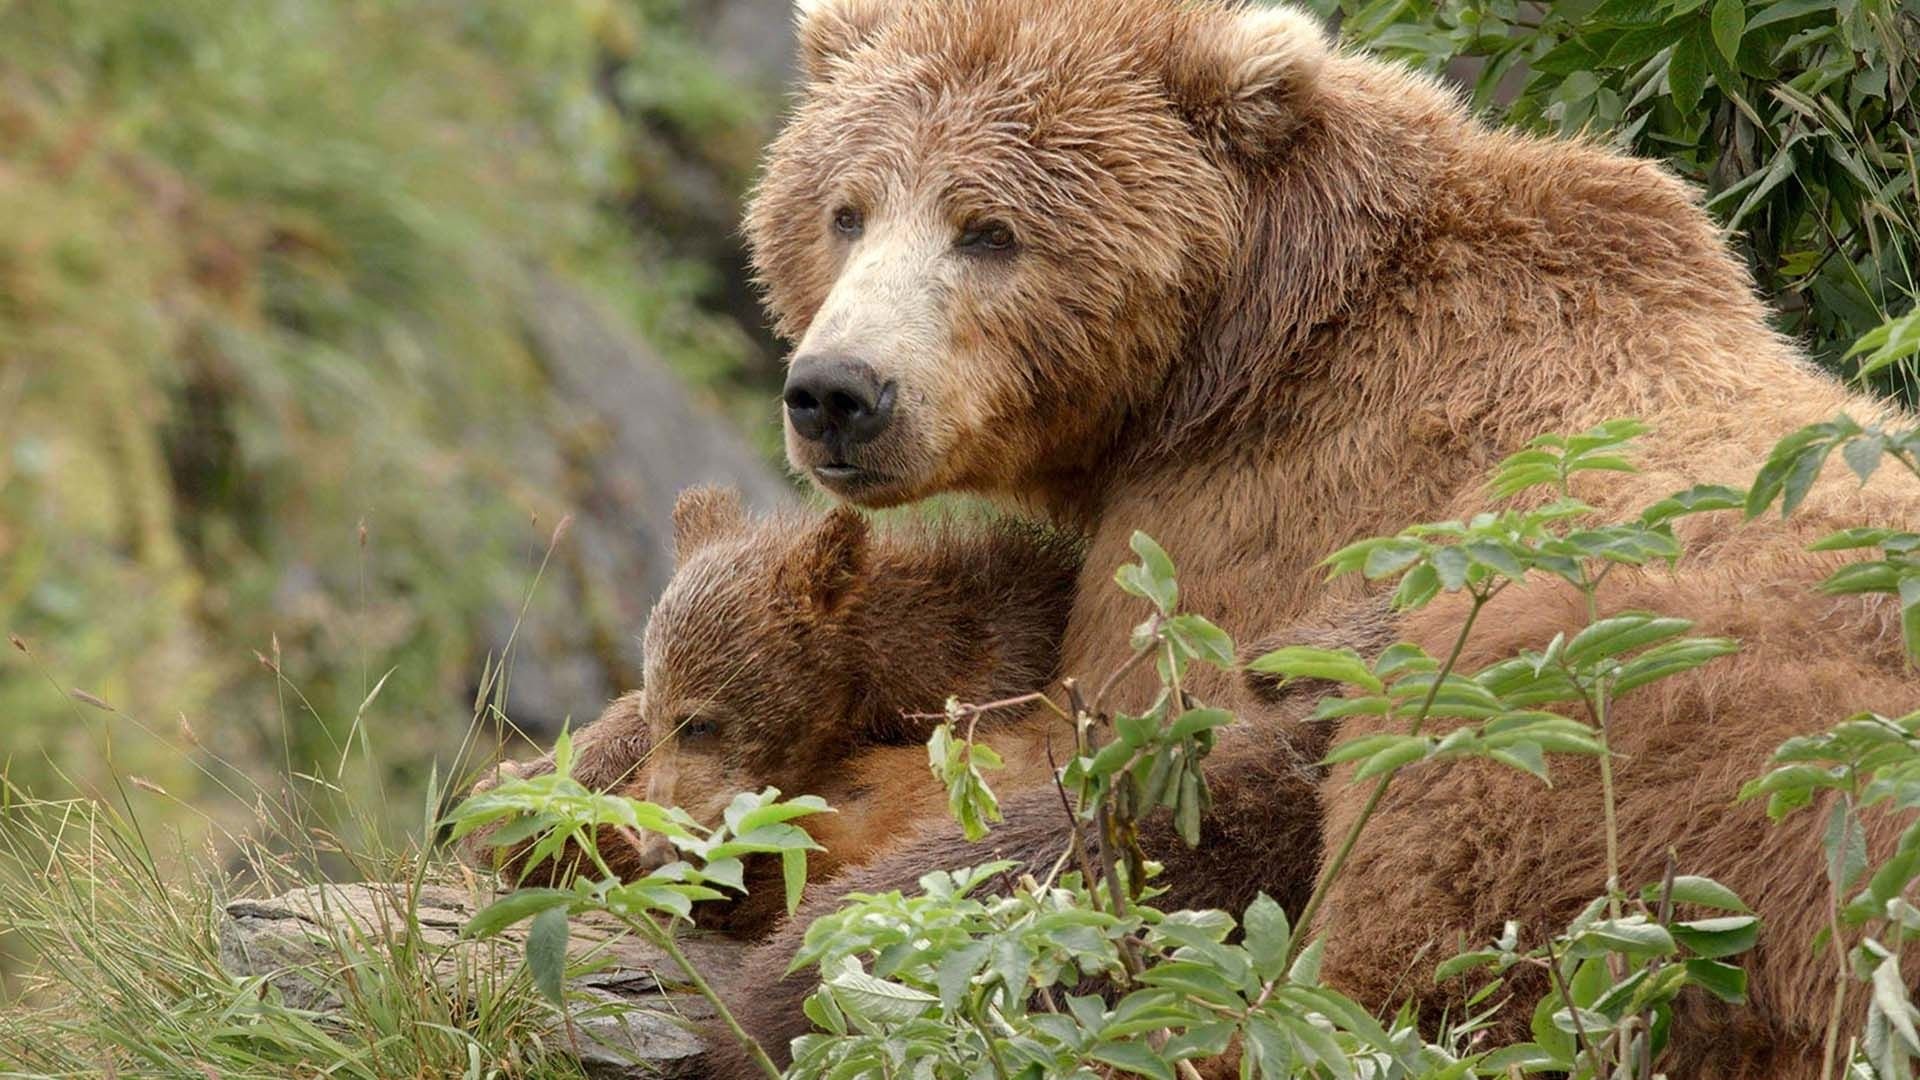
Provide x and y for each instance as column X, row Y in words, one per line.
column 631, row 439
column 631, row 1016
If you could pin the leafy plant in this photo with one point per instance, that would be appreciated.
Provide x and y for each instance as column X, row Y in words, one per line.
column 985, row 972
column 1866, row 761
column 557, row 814
column 1789, row 473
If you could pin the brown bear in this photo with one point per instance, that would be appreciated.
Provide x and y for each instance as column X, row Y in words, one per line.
column 1186, row 267
column 806, row 653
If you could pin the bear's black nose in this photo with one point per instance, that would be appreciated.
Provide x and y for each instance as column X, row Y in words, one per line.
column 837, row 400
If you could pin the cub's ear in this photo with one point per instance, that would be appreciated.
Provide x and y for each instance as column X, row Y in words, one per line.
column 830, row 29
column 1243, row 76
column 702, row 515
column 824, row 569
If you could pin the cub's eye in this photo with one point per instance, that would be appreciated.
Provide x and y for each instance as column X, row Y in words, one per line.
column 697, row 727
column 991, row 236
column 848, row 222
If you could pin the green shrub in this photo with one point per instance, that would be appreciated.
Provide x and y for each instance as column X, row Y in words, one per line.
column 1800, row 119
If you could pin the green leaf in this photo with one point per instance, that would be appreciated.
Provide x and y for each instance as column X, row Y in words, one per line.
column 1391, row 557
column 793, row 874
column 1194, row 721
column 1590, row 982
column 1728, row 982
column 1729, row 22
column 1672, row 658
column 1421, row 584
column 1305, row 970
column 1525, row 1057
column 1407, row 750
column 775, row 813
column 1450, row 565
column 1619, row 634
column 1462, row 963
column 1890, row 342
column 1152, row 577
column 1910, row 613
column 1713, row 938
column 1789, row 9
column 1525, row 756
column 1268, row 937
column 1366, row 746
column 1202, row 639
column 1852, row 539
column 1268, row 1048
column 1133, row 1057
column 1345, row 1013
column 1865, row 577
column 1632, row 934
column 1590, row 1023
column 1863, row 455
column 877, row 999
column 1496, row 557
column 1890, row 1000
column 1687, row 74
column 1306, row 662
column 513, row 907
column 820, row 1008
column 1546, row 1033
column 1846, row 846
column 547, row 953
column 1693, row 889
column 1200, row 980
column 1698, row 499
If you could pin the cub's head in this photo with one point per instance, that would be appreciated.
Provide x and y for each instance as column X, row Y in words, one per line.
column 990, row 226
column 753, row 663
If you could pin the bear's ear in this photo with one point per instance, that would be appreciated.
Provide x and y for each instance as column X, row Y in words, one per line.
column 1243, row 76
column 824, row 569
column 830, row 29
column 702, row 515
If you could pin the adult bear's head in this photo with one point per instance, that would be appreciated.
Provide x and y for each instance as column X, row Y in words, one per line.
column 991, row 226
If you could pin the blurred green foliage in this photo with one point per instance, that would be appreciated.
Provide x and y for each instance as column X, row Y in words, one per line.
column 262, row 369
column 1799, row 118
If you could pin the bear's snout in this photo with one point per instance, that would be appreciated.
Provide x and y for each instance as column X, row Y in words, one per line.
column 837, row 401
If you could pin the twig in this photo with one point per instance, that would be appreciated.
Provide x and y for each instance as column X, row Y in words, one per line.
column 1076, row 840
column 1119, row 673
column 975, row 711
column 1841, row 978
column 664, row 939
column 1664, row 913
column 1347, row 843
column 1573, row 1009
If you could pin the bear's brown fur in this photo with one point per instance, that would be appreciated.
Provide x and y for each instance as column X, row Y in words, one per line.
column 803, row 653
column 1266, row 297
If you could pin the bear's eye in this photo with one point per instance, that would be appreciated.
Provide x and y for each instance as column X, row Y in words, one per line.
column 697, row 727
column 848, row 222
column 991, row 236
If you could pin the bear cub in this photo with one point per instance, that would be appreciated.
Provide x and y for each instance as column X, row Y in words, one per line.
column 804, row 653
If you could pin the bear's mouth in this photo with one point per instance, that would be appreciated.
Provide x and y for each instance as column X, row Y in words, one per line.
column 845, row 479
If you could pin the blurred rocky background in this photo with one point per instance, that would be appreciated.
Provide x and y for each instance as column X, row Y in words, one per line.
column 317, row 319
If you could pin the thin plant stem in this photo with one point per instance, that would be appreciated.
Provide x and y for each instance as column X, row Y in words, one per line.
column 1580, row 1039
column 1841, row 977
column 1347, row 843
column 986, row 1036
column 664, row 939
column 1662, row 915
column 1609, row 811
